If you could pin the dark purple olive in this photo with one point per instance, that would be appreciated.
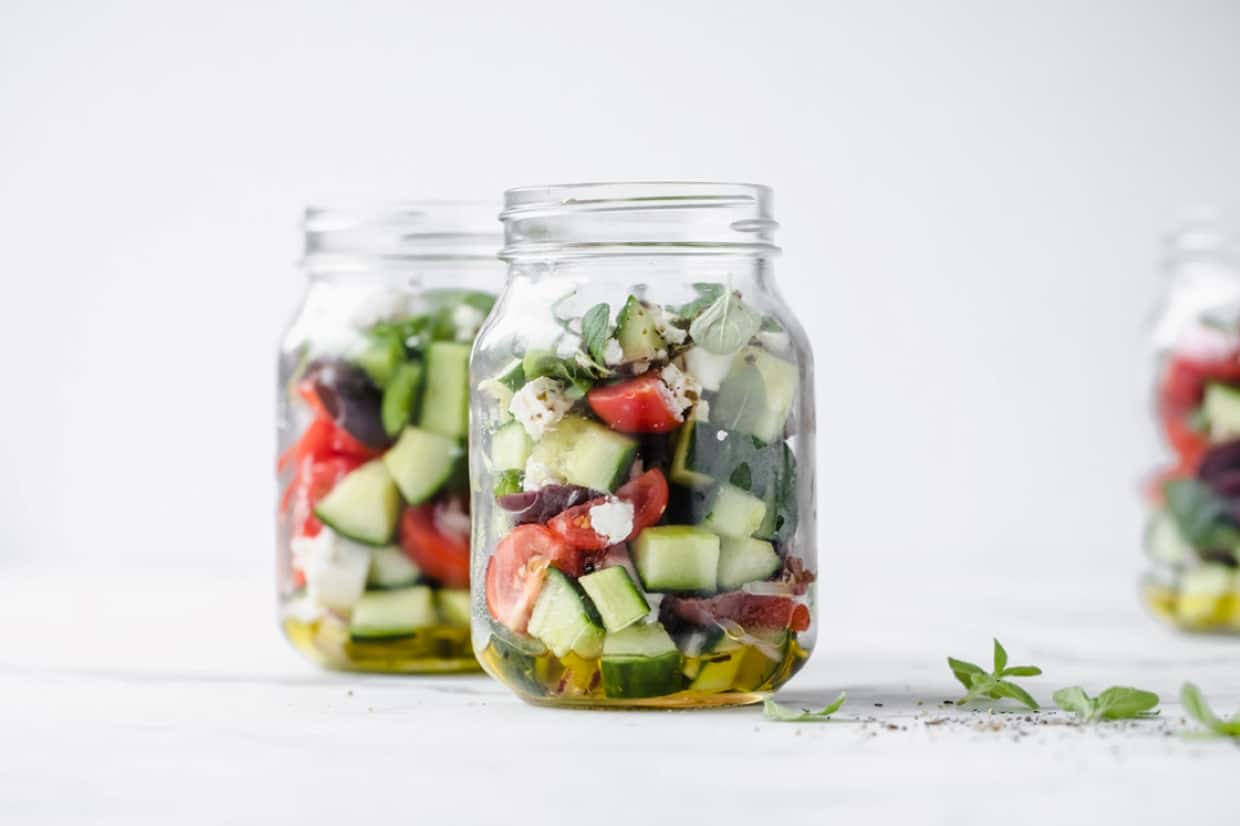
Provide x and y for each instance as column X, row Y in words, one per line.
column 542, row 504
column 1226, row 484
column 351, row 399
column 1219, row 556
column 1219, row 460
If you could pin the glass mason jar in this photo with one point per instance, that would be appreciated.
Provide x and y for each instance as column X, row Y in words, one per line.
column 373, row 514
column 641, row 452
column 1193, row 534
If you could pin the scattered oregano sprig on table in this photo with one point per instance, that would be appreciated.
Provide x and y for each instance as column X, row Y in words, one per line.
column 1116, row 703
column 994, row 684
column 784, row 714
column 1197, row 707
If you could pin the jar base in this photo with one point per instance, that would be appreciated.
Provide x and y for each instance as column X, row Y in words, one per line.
column 438, row 650
column 1198, row 614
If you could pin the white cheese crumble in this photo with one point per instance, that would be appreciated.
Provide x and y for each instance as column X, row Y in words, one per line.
column 539, row 404
column 701, row 410
column 662, row 320
column 612, row 520
column 538, row 475
column 708, row 368
column 683, row 390
column 335, row 568
column 467, row 320
column 776, row 341
column 613, row 353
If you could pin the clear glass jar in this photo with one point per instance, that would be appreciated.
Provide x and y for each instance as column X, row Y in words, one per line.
column 373, row 519
column 642, row 443
column 1193, row 535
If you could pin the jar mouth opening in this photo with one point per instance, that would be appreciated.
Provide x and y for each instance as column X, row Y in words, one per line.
column 638, row 218
column 388, row 233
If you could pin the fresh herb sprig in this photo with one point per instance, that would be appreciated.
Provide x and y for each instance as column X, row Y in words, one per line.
column 994, row 684
column 726, row 325
column 1116, row 703
column 1197, row 707
column 595, row 330
column 784, row 714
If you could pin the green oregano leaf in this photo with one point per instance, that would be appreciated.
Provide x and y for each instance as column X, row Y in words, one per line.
column 595, row 330
column 726, row 325
column 783, row 714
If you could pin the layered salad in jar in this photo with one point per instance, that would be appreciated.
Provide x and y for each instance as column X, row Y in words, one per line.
column 639, row 543
column 374, row 510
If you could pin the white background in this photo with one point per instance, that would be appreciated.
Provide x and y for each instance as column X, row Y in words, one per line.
column 971, row 197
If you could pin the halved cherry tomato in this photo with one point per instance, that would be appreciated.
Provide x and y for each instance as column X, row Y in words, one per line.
column 1189, row 445
column 516, row 572
column 442, row 556
column 753, row 612
column 647, row 494
column 638, row 405
column 313, row 480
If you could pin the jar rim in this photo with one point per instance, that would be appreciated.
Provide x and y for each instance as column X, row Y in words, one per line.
column 358, row 234
column 638, row 218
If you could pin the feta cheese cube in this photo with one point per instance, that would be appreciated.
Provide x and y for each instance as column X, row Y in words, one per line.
column 612, row 520
column 539, row 404
column 683, row 390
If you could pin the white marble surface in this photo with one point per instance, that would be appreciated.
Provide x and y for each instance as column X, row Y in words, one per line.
column 168, row 697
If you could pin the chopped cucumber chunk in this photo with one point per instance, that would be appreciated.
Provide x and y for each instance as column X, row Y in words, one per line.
column 384, row 615
column 1164, row 542
column 1201, row 589
column 565, row 619
column 693, row 457
column 636, row 332
column 734, row 513
column 640, row 661
column 745, row 560
column 454, row 606
column 1221, row 409
column 757, row 395
column 381, row 357
column 400, row 396
column 390, row 567
column 677, row 558
column 584, row 452
column 363, row 506
column 420, row 463
column 445, row 400
column 619, row 602
column 510, row 447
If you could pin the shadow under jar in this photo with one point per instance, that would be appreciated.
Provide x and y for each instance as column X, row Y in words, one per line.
column 1193, row 534
column 642, row 442
column 373, row 513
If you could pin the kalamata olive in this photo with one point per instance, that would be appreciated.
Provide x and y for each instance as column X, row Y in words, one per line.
column 544, row 503
column 1219, row 460
column 351, row 399
column 1219, row 556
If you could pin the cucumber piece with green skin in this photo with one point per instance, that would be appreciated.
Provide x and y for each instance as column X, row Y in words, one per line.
column 640, row 661
column 445, row 399
column 616, row 598
column 636, row 333
column 1164, row 542
column 510, row 447
column 421, row 462
column 780, row 521
column 512, row 376
column 732, row 512
column 677, row 558
column 453, row 605
column 565, row 619
column 386, row 615
column 363, row 506
column 718, row 668
column 757, row 395
column 400, row 396
column 390, row 567
column 584, row 452
column 1221, row 409
column 509, row 481
column 693, row 459
column 745, row 560
column 381, row 357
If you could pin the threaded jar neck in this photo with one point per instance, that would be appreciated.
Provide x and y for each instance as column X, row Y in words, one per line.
column 343, row 239
column 639, row 218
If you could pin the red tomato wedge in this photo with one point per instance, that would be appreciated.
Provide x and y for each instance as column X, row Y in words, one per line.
column 313, row 480
column 639, row 405
column 323, row 439
column 647, row 494
column 516, row 572
column 753, row 612
column 442, row 556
